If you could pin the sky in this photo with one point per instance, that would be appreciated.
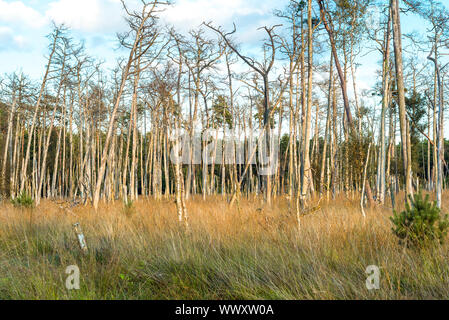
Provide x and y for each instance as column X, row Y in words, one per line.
column 25, row 23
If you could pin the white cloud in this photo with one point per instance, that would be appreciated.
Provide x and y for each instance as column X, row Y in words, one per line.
column 189, row 14
column 18, row 13
column 8, row 40
column 87, row 15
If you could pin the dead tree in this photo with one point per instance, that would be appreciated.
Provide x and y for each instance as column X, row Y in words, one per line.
column 142, row 30
column 263, row 69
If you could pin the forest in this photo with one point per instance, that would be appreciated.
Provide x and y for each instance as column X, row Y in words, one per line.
column 201, row 170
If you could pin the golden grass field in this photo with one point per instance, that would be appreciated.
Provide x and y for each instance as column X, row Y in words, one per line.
column 247, row 252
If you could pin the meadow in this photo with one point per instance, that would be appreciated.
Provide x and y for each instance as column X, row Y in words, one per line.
column 249, row 251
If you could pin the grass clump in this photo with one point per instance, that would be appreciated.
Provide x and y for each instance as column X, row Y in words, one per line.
column 420, row 223
column 23, row 200
column 128, row 206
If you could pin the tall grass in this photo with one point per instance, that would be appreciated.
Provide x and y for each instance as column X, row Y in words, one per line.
column 247, row 252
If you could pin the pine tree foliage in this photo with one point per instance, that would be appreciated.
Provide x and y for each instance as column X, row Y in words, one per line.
column 420, row 223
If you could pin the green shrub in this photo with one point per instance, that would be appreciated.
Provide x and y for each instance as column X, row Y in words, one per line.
column 420, row 223
column 23, row 200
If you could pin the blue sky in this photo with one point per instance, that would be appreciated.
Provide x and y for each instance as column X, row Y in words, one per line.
column 24, row 24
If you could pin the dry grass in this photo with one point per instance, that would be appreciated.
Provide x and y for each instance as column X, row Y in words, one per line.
column 249, row 252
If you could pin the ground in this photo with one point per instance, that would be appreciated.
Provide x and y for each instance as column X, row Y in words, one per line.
column 249, row 251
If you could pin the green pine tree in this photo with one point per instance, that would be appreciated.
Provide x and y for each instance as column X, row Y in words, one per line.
column 420, row 223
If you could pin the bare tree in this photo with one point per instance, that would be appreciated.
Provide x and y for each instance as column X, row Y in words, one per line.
column 144, row 35
column 263, row 69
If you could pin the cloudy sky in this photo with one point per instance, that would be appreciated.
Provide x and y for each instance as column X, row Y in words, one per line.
column 24, row 24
